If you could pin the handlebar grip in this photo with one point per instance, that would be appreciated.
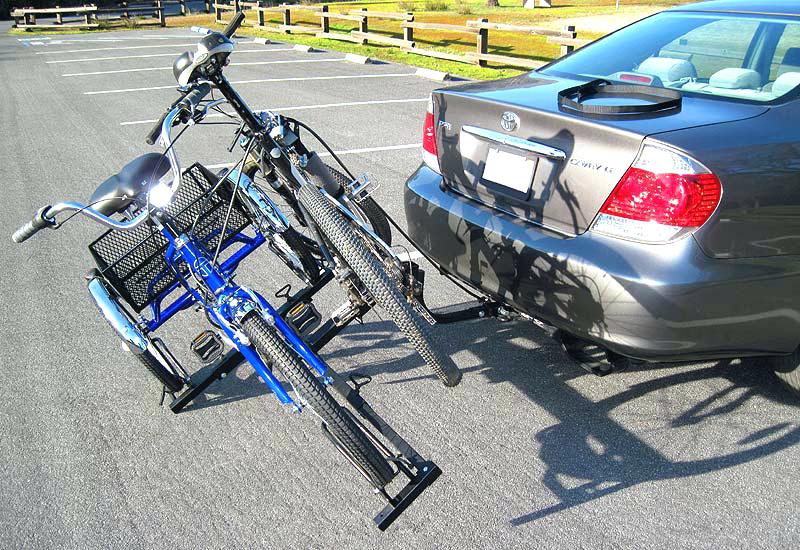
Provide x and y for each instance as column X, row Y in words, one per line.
column 234, row 25
column 39, row 221
column 321, row 176
column 193, row 98
column 155, row 131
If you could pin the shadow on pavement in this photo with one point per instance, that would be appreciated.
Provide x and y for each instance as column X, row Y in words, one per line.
column 586, row 443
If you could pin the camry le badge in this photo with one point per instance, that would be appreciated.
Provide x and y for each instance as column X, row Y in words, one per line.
column 509, row 121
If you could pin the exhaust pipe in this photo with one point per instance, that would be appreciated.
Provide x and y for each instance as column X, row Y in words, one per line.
column 111, row 311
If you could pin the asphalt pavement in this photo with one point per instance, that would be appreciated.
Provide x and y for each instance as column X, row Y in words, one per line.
column 536, row 453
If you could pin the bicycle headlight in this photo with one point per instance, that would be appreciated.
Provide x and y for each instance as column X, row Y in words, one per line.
column 160, row 194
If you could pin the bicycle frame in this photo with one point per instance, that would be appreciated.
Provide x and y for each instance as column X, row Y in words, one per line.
column 226, row 302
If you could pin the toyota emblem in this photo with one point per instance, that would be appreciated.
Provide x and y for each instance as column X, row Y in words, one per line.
column 509, row 121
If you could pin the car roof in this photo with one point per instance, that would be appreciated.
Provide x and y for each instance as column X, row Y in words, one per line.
column 774, row 7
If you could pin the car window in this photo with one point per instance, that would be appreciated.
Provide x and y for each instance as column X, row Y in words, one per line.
column 697, row 53
column 787, row 53
column 716, row 45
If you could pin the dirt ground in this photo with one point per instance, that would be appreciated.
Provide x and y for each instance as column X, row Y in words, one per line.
column 608, row 23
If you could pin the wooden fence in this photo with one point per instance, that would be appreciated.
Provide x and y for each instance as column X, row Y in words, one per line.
column 90, row 16
column 480, row 28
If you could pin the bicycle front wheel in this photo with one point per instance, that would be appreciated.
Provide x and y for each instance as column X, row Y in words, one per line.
column 314, row 395
column 385, row 289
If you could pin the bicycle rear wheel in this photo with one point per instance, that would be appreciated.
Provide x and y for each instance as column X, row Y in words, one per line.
column 152, row 359
column 156, row 367
column 313, row 394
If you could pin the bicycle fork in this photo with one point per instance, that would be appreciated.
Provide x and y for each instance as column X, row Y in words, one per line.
column 231, row 304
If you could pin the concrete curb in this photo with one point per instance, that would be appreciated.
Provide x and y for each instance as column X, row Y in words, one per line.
column 355, row 58
column 430, row 74
column 201, row 30
column 262, row 40
column 304, row 48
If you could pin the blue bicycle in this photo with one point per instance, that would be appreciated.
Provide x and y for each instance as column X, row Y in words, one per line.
column 172, row 229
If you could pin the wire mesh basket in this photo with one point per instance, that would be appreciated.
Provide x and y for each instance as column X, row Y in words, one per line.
column 133, row 261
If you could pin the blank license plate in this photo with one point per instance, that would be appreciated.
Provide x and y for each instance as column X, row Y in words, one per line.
column 509, row 170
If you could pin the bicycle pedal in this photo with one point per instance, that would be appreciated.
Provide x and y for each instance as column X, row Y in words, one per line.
column 345, row 313
column 207, row 346
column 304, row 317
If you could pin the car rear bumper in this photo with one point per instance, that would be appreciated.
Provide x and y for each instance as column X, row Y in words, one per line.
column 652, row 302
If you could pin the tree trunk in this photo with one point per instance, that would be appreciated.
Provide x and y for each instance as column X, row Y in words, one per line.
column 492, row 3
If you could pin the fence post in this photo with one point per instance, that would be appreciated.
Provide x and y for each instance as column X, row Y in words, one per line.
column 208, row 6
column 183, row 7
column 261, row 21
column 568, row 48
column 236, row 7
column 287, row 19
column 59, row 16
column 483, row 42
column 217, row 12
column 162, row 17
column 325, row 22
column 363, row 26
column 408, row 32
column 87, row 16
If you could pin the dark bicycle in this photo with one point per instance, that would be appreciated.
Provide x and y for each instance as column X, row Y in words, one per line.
column 350, row 232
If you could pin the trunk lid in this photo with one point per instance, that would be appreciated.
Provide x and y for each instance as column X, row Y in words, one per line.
column 573, row 161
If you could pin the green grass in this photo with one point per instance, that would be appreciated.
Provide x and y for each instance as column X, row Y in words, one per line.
column 45, row 32
column 135, row 24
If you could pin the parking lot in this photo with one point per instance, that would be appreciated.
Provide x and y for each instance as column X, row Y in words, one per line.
column 535, row 452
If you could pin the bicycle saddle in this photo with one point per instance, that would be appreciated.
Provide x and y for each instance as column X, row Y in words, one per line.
column 117, row 192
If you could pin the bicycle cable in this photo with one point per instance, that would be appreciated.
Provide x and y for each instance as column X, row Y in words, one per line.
column 233, row 200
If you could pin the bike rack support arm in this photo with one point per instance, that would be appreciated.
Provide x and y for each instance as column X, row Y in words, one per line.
column 219, row 370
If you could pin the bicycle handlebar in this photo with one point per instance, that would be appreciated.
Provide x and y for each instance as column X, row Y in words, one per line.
column 39, row 221
column 234, row 24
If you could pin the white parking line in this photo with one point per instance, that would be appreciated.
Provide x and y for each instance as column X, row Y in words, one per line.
column 282, row 61
column 124, row 48
column 173, row 54
column 142, row 70
column 302, row 108
column 338, row 153
column 55, row 41
column 258, row 81
column 286, row 61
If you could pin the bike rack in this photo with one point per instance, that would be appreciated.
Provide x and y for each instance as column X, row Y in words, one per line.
column 421, row 473
column 476, row 309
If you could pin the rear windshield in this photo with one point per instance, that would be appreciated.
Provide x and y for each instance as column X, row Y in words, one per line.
column 753, row 58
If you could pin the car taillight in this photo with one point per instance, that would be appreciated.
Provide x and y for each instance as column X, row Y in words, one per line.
column 663, row 196
column 430, row 155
